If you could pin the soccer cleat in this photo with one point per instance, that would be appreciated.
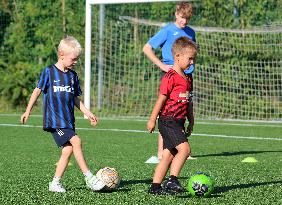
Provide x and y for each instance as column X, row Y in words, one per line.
column 174, row 186
column 94, row 183
column 160, row 191
column 56, row 187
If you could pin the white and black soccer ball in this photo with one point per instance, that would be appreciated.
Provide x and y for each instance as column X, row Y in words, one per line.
column 110, row 177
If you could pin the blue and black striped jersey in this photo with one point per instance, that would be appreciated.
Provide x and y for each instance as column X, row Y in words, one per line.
column 59, row 90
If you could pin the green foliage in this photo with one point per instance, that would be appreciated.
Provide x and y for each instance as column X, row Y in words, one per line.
column 31, row 30
column 30, row 42
column 17, row 82
column 237, row 13
column 4, row 21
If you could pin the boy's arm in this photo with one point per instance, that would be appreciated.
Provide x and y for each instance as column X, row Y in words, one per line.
column 157, row 108
column 79, row 104
column 149, row 52
column 190, row 117
column 33, row 98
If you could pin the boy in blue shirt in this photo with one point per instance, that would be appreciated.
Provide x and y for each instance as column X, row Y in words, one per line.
column 60, row 87
column 164, row 39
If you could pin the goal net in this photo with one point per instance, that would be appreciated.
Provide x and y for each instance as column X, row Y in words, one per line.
column 238, row 72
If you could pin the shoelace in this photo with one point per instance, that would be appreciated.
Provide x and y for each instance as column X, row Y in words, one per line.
column 60, row 185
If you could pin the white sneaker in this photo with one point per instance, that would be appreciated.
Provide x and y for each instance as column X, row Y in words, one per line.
column 94, row 183
column 56, row 187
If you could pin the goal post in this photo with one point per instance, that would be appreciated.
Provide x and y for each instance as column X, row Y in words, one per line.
column 237, row 76
column 88, row 13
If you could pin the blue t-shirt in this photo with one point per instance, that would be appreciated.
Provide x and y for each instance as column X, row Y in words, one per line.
column 166, row 37
column 59, row 90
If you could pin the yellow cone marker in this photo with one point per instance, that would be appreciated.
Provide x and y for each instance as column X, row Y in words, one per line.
column 250, row 160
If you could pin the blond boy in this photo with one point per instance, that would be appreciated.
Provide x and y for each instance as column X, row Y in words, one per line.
column 60, row 87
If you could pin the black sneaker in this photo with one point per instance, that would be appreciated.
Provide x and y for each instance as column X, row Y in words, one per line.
column 160, row 191
column 173, row 185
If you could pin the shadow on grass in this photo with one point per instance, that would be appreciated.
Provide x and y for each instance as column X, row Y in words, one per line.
column 218, row 191
column 84, row 188
column 142, row 181
column 243, row 186
column 187, row 195
column 119, row 189
column 136, row 181
column 226, row 154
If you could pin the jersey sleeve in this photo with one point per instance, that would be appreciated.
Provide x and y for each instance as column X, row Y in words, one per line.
column 43, row 82
column 194, row 37
column 77, row 89
column 158, row 39
column 166, row 85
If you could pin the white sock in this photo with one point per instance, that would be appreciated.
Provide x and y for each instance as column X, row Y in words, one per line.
column 88, row 174
column 56, row 179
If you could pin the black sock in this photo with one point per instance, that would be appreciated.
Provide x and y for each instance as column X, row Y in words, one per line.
column 156, row 186
column 172, row 178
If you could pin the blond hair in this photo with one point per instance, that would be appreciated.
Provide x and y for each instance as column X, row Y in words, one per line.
column 185, row 9
column 181, row 44
column 69, row 44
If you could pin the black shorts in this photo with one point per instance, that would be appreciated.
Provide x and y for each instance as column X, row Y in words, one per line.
column 62, row 136
column 172, row 131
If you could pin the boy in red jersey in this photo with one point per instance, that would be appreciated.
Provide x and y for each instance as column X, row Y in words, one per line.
column 164, row 39
column 172, row 109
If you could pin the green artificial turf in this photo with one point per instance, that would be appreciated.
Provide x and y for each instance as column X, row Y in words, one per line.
column 28, row 156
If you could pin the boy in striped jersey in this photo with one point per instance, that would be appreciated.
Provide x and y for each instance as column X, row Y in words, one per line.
column 172, row 107
column 60, row 87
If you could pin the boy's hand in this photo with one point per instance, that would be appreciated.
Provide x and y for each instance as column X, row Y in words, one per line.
column 24, row 118
column 189, row 129
column 93, row 120
column 151, row 126
column 165, row 67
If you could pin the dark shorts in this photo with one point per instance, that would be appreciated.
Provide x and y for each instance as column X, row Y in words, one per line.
column 62, row 136
column 172, row 131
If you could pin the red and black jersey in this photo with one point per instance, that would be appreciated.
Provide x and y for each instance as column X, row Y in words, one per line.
column 177, row 89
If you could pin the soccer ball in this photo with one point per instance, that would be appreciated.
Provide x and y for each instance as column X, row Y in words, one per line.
column 109, row 176
column 201, row 185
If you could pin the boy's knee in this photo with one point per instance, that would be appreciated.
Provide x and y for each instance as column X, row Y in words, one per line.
column 75, row 141
column 184, row 149
column 67, row 151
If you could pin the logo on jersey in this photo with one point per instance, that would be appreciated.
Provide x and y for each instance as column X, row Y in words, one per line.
column 67, row 89
column 175, row 33
column 184, row 95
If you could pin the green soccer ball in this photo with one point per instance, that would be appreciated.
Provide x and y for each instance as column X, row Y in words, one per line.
column 201, row 185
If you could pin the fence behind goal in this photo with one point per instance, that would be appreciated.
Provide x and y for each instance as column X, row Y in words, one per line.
column 238, row 72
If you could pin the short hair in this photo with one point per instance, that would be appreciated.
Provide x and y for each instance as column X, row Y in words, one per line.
column 184, row 8
column 183, row 43
column 70, row 44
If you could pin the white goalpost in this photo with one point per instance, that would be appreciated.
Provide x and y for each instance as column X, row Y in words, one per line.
column 238, row 72
column 87, row 75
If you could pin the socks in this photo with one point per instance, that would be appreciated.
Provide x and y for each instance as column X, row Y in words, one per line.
column 172, row 177
column 155, row 186
column 88, row 174
column 56, row 179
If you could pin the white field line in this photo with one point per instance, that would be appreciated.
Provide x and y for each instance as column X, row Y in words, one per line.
column 142, row 131
column 219, row 122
